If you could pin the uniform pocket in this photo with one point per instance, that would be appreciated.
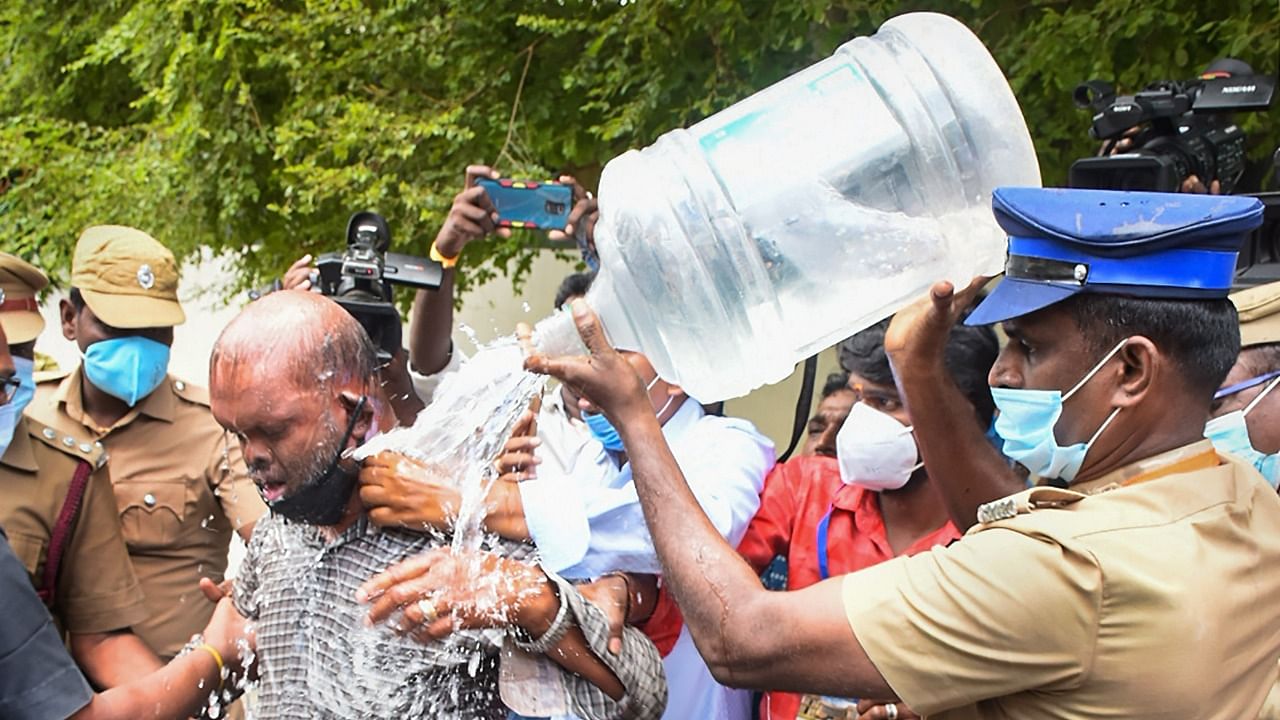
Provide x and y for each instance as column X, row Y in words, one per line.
column 29, row 550
column 151, row 513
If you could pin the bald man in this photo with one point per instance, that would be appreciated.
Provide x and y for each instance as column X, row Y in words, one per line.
column 294, row 377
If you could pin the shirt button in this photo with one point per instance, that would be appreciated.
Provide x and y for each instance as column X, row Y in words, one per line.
column 149, row 500
column 179, row 385
column 69, row 441
column 49, row 434
column 86, row 448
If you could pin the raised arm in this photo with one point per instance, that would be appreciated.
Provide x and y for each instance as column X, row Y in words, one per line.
column 750, row 637
column 431, row 321
column 964, row 467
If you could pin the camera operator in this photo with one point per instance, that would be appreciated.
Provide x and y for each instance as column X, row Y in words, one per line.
column 1183, row 128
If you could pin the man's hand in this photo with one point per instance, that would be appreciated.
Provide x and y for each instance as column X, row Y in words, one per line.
column 298, row 276
column 1192, row 184
column 879, row 710
column 603, row 375
column 583, row 216
column 611, row 593
column 432, row 595
column 917, row 335
column 472, row 216
column 215, row 592
column 228, row 632
column 399, row 491
column 519, row 460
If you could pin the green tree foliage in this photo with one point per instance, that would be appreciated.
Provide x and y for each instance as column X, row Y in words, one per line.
column 257, row 127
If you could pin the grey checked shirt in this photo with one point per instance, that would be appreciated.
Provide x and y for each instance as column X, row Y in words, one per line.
column 318, row 660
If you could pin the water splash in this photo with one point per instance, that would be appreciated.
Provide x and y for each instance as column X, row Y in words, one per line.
column 459, row 435
column 463, row 430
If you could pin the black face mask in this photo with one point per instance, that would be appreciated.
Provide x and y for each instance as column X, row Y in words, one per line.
column 323, row 499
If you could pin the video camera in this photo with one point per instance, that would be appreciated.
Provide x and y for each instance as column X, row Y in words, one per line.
column 1185, row 130
column 361, row 279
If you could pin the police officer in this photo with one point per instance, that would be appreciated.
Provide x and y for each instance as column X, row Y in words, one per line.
column 1135, row 583
column 57, row 505
column 1246, row 409
column 180, row 486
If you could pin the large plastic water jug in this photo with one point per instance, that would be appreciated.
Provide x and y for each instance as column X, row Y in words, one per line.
column 736, row 248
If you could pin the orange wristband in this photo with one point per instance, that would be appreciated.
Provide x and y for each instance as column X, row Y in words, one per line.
column 217, row 658
column 439, row 257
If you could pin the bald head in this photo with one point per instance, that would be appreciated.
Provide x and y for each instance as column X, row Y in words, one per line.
column 294, row 377
column 297, row 337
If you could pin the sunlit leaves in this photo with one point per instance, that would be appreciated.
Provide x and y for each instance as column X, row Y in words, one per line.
column 258, row 127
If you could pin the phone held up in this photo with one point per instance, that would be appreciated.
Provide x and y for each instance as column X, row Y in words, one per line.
column 529, row 204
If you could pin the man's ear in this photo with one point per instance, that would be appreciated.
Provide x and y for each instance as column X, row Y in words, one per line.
column 1142, row 364
column 364, row 421
column 67, row 314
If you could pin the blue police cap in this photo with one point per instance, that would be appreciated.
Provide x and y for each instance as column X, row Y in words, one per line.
column 1137, row 244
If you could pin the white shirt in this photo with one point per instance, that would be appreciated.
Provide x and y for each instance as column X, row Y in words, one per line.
column 585, row 518
column 425, row 385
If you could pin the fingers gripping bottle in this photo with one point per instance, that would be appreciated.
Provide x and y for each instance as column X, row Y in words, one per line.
column 775, row 228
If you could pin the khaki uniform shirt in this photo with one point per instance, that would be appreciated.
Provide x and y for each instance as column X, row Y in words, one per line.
column 1155, row 599
column 180, row 487
column 96, row 590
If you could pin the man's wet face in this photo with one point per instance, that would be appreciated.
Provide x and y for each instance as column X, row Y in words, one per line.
column 288, row 433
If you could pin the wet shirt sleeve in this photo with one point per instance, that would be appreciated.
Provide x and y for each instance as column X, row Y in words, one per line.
column 639, row 668
column 97, row 590
column 556, row 514
column 994, row 614
column 245, row 589
column 38, row 679
column 425, row 385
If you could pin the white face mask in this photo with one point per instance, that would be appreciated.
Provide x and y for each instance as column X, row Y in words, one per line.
column 875, row 451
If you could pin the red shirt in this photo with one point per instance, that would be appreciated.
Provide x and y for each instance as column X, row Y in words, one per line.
column 797, row 495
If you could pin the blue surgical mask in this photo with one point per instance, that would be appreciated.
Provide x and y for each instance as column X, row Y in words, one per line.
column 1026, row 422
column 128, row 367
column 1230, row 434
column 604, row 431
column 11, row 411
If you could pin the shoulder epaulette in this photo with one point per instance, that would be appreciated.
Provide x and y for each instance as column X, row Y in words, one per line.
column 1036, row 498
column 79, row 446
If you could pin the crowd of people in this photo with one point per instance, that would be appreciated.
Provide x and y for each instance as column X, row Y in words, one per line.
column 1054, row 496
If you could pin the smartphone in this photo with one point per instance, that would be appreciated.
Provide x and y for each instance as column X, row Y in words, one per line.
column 529, row 204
